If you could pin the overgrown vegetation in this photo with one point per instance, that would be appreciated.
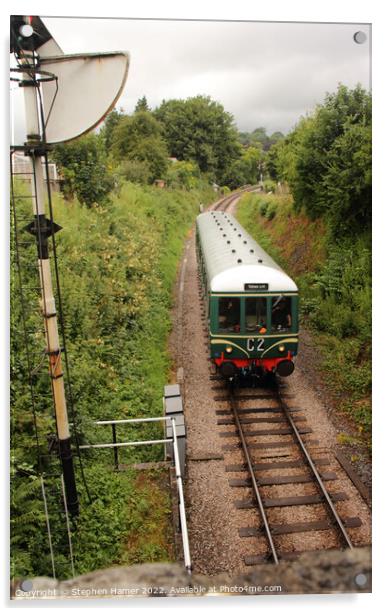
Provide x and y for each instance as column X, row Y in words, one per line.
column 327, row 162
column 322, row 234
column 84, row 169
column 334, row 281
column 117, row 266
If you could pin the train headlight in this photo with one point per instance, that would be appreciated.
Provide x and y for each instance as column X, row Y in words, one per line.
column 26, row 30
column 228, row 349
column 282, row 348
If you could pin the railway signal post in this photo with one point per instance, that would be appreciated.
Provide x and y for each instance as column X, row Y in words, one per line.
column 42, row 229
column 64, row 97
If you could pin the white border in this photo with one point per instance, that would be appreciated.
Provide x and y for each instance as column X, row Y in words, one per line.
column 298, row 10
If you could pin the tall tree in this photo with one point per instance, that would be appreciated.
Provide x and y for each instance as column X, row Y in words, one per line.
column 347, row 182
column 316, row 141
column 142, row 105
column 139, row 137
column 245, row 170
column 111, row 120
column 200, row 130
column 326, row 160
column 259, row 138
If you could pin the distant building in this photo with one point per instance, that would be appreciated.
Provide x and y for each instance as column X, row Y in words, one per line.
column 21, row 167
column 160, row 183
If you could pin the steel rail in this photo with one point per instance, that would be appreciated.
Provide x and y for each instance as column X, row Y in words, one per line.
column 226, row 201
column 259, row 500
column 314, row 469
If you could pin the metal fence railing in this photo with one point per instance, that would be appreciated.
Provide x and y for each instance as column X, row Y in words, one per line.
column 173, row 440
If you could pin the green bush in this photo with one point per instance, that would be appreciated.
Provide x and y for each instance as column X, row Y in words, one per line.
column 335, row 318
column 271, row 211
column 270, row 185
column 182, row 174
column 84, row 169
column 263, row 206
column 344, row 284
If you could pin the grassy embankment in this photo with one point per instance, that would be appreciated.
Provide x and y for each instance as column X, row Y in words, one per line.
column 117, row 266
column 334, row 279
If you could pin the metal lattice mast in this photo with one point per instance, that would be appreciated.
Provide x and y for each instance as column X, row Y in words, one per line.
column 42, row 228
column 65, row 97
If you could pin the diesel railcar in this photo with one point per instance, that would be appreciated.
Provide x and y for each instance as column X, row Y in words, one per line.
column 251, row 303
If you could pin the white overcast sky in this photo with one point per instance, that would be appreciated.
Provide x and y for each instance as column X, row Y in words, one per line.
column 265, row 74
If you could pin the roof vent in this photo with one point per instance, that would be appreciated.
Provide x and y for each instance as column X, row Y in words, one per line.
column 228, row 241
column 233, row 250
column 245, row 242
column 224, row 235
column 260, row 260
column 239, row 260
column 239, row 234
column 251, row 250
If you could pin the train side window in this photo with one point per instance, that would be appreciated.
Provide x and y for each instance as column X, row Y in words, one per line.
column 281, row 319
column 256, row 314
column 229, row 314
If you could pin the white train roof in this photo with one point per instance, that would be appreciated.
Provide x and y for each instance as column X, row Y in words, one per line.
column 233, row 259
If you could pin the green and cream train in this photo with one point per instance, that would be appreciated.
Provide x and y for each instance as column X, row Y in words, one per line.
column 251, row 303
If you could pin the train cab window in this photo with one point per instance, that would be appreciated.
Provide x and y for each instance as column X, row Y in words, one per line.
column 229, row 314
column 256, row 314
column 281, row 319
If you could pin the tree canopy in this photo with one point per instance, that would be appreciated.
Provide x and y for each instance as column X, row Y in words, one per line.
column 245, row 169
column 139, row 137
column 326, row 161
column 200, row 130
column 259, row 138
column 142, row 105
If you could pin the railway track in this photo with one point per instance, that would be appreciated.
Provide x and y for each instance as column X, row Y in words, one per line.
column 291, row 493
column 223, row 204
column 280, row 458
column 291, row 466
